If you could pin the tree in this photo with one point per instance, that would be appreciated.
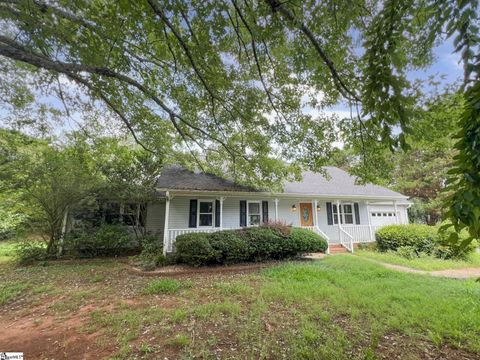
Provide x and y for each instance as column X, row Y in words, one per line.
column 52, row 181
column 225, row 79
column 421, row 171
column 49, row 180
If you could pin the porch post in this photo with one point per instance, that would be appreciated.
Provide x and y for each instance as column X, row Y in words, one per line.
column 221, row 212
column 339, row 221
column 315, row 218
column 370, row 230
column 165, row 226
column 276, row 209
column 395, row 209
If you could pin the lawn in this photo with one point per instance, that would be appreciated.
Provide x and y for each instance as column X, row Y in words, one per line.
column 342, row 307
column 429, row 263
column 7, row 250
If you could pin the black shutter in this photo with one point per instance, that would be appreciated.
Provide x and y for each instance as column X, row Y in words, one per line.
column 243, row 213
column 329, row 213
column 357, row 214
column 192, row 219
column 265, row 211
column 217, row 213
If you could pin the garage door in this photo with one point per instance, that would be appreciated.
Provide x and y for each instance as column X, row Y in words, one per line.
column 382, row 218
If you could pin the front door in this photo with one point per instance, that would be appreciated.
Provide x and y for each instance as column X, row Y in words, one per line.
column 306, row 214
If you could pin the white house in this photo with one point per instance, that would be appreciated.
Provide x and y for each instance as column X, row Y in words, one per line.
column 337, row 208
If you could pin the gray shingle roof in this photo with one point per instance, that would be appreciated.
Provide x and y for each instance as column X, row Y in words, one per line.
column 178, row 178
column 339, row 183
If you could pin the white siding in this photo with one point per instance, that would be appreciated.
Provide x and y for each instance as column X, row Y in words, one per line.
column 180, row 208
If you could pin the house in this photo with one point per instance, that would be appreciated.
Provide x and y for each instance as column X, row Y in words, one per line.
column 340, row 210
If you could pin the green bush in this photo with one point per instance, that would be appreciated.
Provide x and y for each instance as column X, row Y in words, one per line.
column 250, row 244
column 230, row 247
column 414, row 240
column 308, row 241
column 151, row 255
column 28, row 252
column 422, row 238
column 447, row 249
column 266, row 243
column 408, row 252
column 195, row 249
column 105, row 240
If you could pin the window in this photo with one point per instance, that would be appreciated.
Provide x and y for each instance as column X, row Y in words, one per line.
column 346, row 214
column 253, row 213
column 129, row 214
column 205, row 213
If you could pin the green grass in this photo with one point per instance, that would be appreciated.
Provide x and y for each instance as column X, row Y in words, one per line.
column 374, row 301
column 7, row 250
column 341, row 307
column 9, row 292
column 428, row 263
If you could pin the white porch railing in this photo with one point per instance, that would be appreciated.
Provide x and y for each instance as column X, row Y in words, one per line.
column 361, row 233
column 173, row 233
column 346, row 239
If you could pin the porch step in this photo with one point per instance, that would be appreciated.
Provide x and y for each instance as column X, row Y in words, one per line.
column 337, row 249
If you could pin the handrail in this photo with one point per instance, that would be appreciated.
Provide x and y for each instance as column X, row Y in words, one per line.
column 325, row 236
column 350, row 245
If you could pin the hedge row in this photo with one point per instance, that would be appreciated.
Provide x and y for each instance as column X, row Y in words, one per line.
column 250, row 244
column 414, row 239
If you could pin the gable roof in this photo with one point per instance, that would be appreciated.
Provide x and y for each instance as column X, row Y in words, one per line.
column 340, row 183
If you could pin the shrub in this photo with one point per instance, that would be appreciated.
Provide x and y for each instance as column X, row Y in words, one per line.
column 28, row 252
column 414, row 240
column 105, row 240
column 308, row 241
column 250, row 244
column 408, row 252
column 421, row 237
column 151, row 255
column 266, row 243
column 230, row 247
column 195, row 249
column 280, row 226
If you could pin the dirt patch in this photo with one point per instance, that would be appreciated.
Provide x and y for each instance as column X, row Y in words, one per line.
column 466, row 273
column 458, row 273
column 42, row 336
column 180, row 270
column 397, row 346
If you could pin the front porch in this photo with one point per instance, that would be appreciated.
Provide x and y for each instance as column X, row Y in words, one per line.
column 347, row 235
column 340, row 221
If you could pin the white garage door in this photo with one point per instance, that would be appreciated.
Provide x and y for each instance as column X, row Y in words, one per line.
column 382, row 218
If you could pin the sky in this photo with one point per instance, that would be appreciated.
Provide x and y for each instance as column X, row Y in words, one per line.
column 446, row 68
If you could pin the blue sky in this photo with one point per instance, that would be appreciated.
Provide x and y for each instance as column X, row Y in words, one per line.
column 446, row 69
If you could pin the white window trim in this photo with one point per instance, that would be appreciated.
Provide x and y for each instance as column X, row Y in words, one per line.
column 198, row 213
column 259, row 213
column 352, row 213
column 341, row 216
